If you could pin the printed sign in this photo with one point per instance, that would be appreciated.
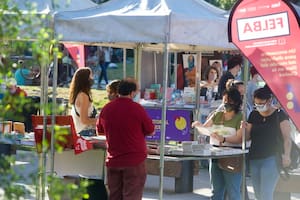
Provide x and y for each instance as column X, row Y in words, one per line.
column 82, row 145
column 178, row 124
column 77, row 53
column 267, row 32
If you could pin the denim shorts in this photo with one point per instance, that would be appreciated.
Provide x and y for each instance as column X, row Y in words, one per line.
column 88, row 132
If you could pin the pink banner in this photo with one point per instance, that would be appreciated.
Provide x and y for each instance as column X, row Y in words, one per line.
column 267, row 32
column 77, row 53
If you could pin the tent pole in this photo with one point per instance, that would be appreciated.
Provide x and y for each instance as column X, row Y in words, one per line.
column 124, row 63
column 43, row 106
column 138, row 63
column 197, row 112
column 54, row 94
column 175, row 69
column 155, row 68
column 245, row 79
column 163, row 120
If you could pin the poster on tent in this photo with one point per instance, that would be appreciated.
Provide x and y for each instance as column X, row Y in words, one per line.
column 267, row 32
column 189, row 65
column 177, row 124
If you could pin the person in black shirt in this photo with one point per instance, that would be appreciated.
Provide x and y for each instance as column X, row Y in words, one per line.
column 234, row 65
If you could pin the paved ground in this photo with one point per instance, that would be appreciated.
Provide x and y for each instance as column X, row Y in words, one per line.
column 201, row 188
column 27, row 163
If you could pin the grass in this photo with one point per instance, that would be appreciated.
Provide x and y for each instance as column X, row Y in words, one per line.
column 99, row 95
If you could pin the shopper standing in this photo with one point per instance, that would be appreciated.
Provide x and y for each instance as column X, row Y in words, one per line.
column 106, row 52
column 224, row 124
column 83, row 112
column 265, row 124
column 125, row 124
column 234, row 66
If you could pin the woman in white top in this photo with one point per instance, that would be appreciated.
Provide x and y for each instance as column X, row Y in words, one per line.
column 83, row 111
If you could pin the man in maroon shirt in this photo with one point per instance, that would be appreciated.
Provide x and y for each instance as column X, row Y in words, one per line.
column 125, row 124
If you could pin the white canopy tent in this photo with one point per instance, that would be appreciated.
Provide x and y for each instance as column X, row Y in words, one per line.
column 182, row 24
column 159, row 25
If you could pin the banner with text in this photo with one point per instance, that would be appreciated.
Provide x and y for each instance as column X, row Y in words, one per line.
column 267, row 32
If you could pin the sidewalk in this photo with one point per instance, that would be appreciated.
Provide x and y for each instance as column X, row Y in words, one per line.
column 201, row 188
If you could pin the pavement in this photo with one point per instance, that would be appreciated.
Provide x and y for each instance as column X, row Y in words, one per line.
column 27, row 163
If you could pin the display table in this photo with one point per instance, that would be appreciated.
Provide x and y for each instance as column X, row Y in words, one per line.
column 88, row 164
column 180, row 164
column 178, row 161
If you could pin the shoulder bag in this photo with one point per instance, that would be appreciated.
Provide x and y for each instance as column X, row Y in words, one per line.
column 231, row 164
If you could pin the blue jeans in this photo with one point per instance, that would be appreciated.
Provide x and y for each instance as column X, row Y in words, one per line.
column 264, row 175
column 103, row 73
column 222, row 180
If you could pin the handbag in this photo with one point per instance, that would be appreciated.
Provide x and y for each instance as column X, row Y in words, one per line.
column 231, row 164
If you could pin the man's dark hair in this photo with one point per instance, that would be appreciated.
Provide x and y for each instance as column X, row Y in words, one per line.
column 263, row 93
column 126, row 87
column 234, row 61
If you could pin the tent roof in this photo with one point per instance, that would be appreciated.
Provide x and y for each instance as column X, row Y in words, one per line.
column 184, row 23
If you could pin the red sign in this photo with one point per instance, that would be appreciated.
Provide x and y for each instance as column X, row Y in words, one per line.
column 77, row 53
column 267, row 32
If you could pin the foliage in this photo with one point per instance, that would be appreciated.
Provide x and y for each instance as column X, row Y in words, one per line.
column 224, row 4
column 8, row 177
column 227, row 4
column 68, row 188
column 30, row 33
